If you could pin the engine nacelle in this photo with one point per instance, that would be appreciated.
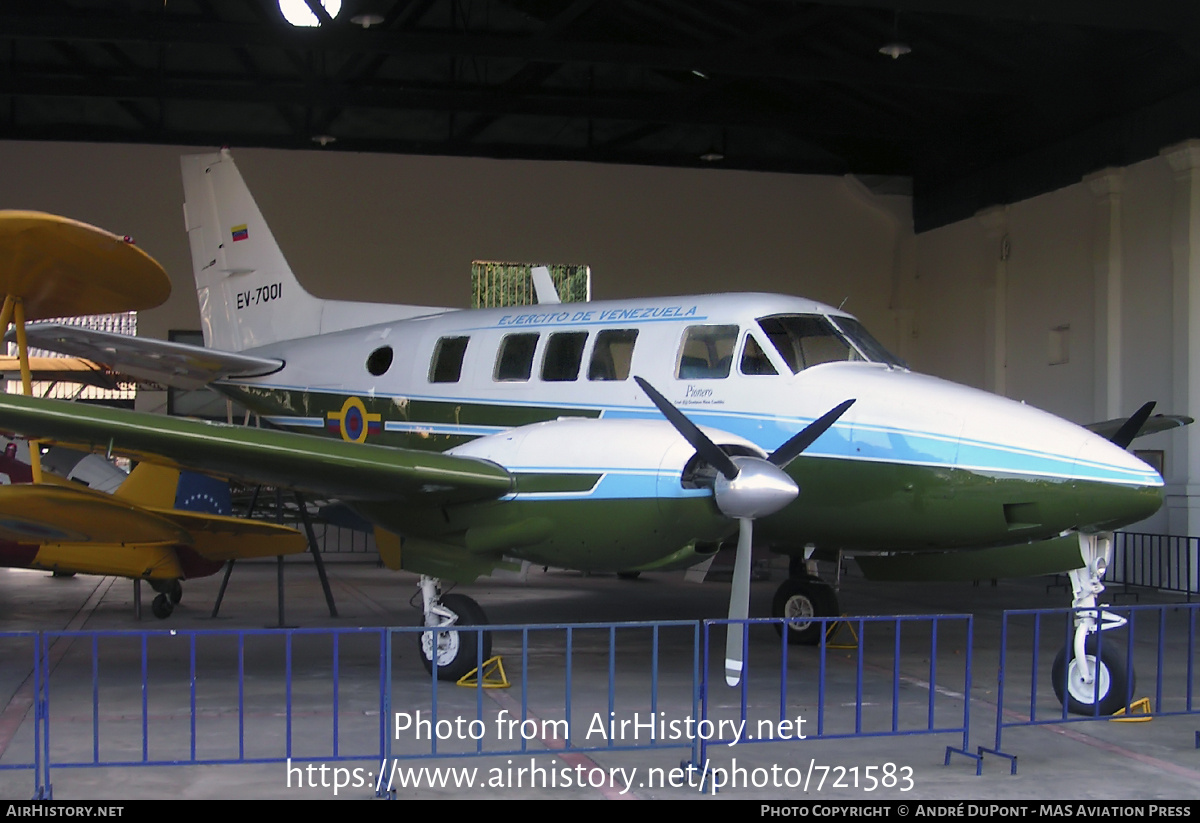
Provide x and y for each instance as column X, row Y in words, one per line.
column 603, row 476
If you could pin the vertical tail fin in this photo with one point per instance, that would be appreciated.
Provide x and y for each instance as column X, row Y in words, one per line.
column 247, row 292
column 248, row 295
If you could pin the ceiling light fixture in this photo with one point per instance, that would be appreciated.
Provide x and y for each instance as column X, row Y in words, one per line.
column 367, row 19
column 896, row 47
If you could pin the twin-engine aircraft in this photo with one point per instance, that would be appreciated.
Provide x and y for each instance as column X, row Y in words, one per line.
column 608, row 436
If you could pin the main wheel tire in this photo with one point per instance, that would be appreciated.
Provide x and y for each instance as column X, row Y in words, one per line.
column 162, row 607
column 1111, row 689
column 799, row 600
column 458, row 652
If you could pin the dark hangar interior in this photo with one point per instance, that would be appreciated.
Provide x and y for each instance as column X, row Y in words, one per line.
column 962, row 103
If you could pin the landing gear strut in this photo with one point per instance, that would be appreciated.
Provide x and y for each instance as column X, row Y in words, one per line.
column 1089, row 675
column 457, row 652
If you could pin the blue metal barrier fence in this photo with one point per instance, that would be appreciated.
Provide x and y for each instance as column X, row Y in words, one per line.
column 228, row 711
column 21, row 686
column 1157, row 643
column 772, row 692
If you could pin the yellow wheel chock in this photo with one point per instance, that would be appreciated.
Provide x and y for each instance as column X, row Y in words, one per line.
column 493, row 675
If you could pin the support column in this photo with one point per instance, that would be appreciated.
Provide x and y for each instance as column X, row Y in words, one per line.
column 995, row 295
column 1107, row 270
column 1183, row 469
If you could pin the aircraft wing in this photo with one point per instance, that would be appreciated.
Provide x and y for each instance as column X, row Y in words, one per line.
column 60, row 369
column 171, row 364
column 334, row 468
column 1158, row 423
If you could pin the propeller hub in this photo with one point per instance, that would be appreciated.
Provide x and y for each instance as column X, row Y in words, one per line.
column 759, row 489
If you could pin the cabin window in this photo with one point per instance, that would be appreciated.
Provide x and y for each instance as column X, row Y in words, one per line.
column 754, row 359
column 515, row 361
column 707, row 352
column 380, row 360
column 612, row 354
column 564, row 352
column 446, row 366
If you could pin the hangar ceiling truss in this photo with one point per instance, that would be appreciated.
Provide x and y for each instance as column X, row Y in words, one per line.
column 995, row 101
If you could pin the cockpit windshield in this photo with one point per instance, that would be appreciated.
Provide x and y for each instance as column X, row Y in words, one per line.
column 862, row 339
column 805, row 340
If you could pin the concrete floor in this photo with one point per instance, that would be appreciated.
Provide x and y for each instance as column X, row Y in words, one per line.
column 1077, row 761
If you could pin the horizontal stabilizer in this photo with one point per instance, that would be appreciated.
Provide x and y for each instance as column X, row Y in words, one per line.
column 1108, row 429
column 171, row 364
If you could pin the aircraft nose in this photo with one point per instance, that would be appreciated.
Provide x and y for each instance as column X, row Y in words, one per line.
column 1130, row 489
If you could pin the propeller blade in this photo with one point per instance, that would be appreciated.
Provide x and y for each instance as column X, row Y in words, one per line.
column 707, row 449
column 739, row 603
column 804, row 438
column 1130, row 428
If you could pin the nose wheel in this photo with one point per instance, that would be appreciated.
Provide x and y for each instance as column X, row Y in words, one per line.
column 1097, row 684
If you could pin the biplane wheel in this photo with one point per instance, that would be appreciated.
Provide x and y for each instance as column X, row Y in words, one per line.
column 162, row 607
column 175, row 591
column 799, row 600
column 1109, row 692
column 458, row 652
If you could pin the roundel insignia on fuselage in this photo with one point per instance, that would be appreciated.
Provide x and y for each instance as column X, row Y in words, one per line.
column 354, row 422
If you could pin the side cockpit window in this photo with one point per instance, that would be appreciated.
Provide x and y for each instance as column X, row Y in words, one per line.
column 706, row 352
column 612, row 355
column 754, row 360
column 446, row 365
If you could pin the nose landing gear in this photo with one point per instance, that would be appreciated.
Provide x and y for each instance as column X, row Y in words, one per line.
column 1089, row 674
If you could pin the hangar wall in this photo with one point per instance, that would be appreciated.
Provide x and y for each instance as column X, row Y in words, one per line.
column 1077, row 301
column 405, row 229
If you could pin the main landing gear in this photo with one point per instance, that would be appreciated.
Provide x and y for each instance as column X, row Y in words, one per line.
column 800, row 599
column 457, row 652
column 1089, row 675
column 169, row 595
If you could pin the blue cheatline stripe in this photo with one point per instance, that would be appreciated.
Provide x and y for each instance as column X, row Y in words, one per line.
column 301, row 422
column 768, row 431
column 616, row 484
column 442, row 428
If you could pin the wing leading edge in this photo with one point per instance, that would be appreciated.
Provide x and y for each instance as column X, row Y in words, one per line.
column 336, row 468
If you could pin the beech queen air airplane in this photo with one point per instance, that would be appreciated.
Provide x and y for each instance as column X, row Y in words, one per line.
column 473, row 438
